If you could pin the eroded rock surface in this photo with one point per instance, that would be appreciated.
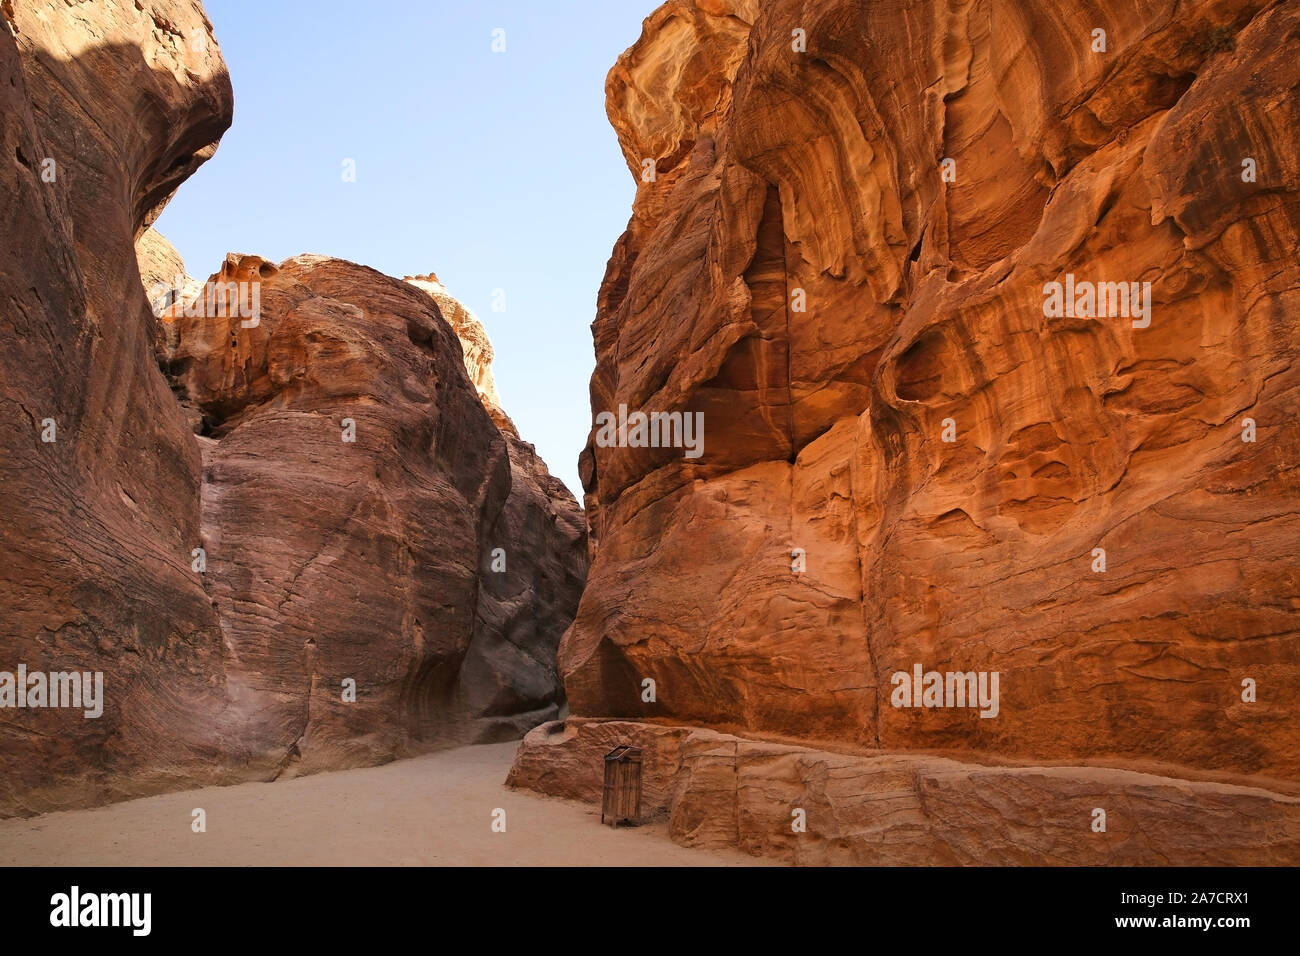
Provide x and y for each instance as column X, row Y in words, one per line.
column 366, row 521
column 817, row 807
column 912, row 456
column 105, row 111
column 542, row 536
column 474, row 341
column 799, row 271
column 169, row 288
column 183, row 509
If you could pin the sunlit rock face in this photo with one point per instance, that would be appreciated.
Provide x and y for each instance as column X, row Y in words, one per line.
column 168, row 286
column 473, row 340
column 842, row 252
column 283, row 529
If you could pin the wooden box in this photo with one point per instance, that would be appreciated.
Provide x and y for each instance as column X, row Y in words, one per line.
column 621, row 800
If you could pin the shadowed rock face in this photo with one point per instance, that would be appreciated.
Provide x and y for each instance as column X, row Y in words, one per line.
column 799, row 271
column 355, row 495
column 324, row 560
column 541, row 532
column 98, row 525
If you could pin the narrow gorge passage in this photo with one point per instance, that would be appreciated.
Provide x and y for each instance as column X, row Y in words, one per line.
column 788, row 432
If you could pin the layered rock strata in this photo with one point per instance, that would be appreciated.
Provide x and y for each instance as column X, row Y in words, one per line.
column 367, row 526
column 281, row 530
column 106, row 111
column 474, row 341
column 814, row 807
column 854, row 229
column 799, row 271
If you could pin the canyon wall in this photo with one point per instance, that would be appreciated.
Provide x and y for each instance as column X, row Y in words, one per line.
column 846, row 223
column 391, row 571
column 101, row 124
column 289, row 541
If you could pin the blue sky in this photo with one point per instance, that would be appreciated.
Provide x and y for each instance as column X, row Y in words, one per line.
column 493, row 170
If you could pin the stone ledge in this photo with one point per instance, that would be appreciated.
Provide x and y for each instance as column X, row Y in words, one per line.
column 892, row 809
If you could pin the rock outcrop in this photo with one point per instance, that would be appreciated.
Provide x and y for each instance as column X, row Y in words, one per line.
column 275, row 532
column 816, row 807
column 100, row 474
column 846, row 225
column 473, row 340
column 525, row 607
column 366, row 525
column 168, row 286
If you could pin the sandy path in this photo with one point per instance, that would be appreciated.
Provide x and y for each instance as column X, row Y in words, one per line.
column 429, row 810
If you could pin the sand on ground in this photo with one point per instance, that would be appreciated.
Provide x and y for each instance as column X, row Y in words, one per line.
column 426, row 811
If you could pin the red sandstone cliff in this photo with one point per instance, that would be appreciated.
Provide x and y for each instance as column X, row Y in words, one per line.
column 801, row 271
column 323, row 561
